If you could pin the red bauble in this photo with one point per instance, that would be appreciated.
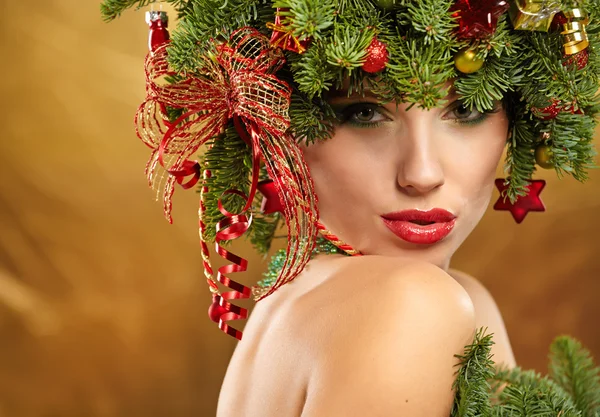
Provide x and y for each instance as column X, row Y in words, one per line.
column 377, row 57
column 271, row 202
column 524, row 204
column 549, row 112
column 580, row 58
column 215, row 311
column 477, row 19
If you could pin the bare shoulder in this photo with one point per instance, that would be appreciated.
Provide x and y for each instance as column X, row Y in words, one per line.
column 388, row 340
column 487, row 315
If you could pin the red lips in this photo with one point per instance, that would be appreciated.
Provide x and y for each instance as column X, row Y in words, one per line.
column 420, row 227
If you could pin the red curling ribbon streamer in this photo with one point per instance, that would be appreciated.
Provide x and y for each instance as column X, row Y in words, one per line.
column 232, row 227
column 208, row 271
column 236, row 82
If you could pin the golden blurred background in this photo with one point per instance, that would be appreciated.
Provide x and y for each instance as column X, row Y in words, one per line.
column 102, row 302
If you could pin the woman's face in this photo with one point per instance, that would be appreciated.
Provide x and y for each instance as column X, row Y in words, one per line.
column 400, row 182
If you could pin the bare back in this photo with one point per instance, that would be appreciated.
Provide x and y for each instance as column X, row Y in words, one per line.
column 286, row 338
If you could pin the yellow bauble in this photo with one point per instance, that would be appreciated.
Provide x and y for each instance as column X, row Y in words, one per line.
column 466, row 61
column 543, row 156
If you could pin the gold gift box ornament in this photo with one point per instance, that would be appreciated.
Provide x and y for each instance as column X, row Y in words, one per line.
column 538, row 15
column 533, row 14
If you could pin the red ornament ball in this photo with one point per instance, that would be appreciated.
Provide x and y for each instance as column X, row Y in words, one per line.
column 580, row 59
column 215, row 311
column 549, row 112
column 377, row 57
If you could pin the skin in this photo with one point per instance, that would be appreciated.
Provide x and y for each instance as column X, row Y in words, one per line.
column 386, row 158
column 398, row 160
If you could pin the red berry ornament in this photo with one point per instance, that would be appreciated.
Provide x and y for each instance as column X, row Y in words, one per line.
column 580, row 59
column 549, row 112
column 377, row 57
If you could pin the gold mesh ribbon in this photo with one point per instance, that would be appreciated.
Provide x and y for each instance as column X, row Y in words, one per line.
column 236, row 82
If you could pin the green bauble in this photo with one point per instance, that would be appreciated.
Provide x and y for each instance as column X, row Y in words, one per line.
column 387, row 4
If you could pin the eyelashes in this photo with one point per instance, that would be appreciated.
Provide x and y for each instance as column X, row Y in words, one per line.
column 367, row 114
column 361, row 113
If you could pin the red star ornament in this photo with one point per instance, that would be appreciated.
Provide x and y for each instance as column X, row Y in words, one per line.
column 271, row 202
column 524, row 204
column 477, row 19
column 282, row 36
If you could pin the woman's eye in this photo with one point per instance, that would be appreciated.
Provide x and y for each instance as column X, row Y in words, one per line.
column 465, row 115
column 362, row 114
column 462, row 112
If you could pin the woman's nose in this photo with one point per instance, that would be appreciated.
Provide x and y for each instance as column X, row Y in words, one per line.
column 420, row 169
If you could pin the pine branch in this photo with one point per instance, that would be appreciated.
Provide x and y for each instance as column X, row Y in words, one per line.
column 472, row 387
column 418, row 72
column 520, row 160
column 210, row 19
column 491, row 83
column 308, row 19
column 430, row 18
column 111, row 9
column 348, row 48
column 572, row 367
column 312, row 72
column 529, row 394
column 263, row 231
column 310, row 120
column 230, row 161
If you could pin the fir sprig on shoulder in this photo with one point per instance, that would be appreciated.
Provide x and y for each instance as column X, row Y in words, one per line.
column 472, row 386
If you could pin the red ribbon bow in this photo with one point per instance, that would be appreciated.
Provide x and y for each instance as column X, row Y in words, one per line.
column 236, row 82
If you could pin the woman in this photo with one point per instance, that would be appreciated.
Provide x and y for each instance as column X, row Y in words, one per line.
column 402, row 111
column 386, row 326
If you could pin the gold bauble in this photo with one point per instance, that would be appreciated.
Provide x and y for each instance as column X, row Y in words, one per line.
column 543, row 156
column 466, row 61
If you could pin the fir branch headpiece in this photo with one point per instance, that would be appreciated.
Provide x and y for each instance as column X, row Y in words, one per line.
column 539, row 56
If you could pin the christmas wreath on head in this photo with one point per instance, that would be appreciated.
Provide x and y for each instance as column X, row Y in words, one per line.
column 247, row 80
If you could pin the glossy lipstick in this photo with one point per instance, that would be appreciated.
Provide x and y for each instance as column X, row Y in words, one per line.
column 420, row 227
